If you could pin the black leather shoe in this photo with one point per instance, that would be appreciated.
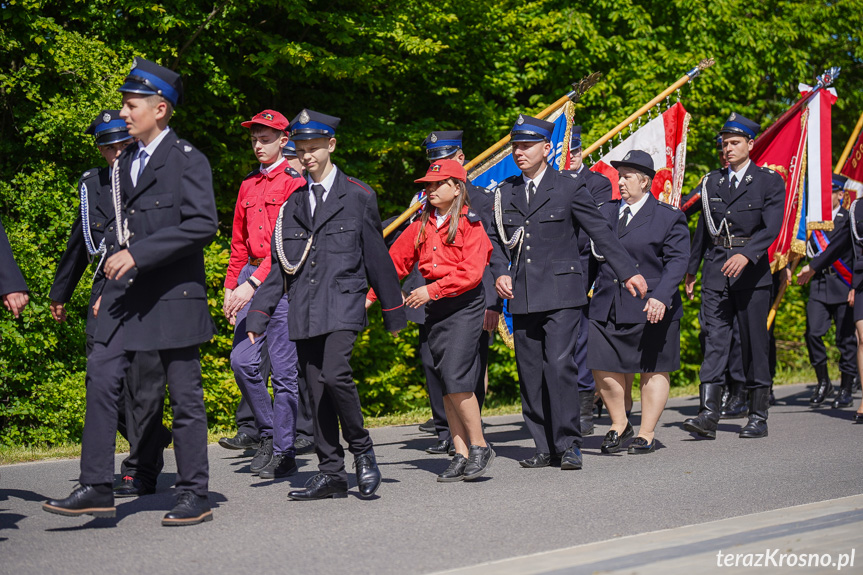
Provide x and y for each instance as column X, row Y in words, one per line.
column 478, row 461
column 537, row 461
column 280, row 466
column 858, row 418
column 303, row 446
column 263, row 456
column 368, row 474
column 239, row 441
column 571, row 458
column 824, row 387
column 639, row 445
column 455, row 471
column 843, row 398
column 320, row 487
column 737, row 405
column 428, row 427
column 84, row 500
column 613, row 441
column 131, row 487
column 442, row 447
column 190, row 509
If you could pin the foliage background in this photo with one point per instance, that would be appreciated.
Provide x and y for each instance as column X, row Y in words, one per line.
column 393, row 72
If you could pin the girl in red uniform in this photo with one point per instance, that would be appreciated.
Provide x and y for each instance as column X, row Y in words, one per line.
column 452, row 249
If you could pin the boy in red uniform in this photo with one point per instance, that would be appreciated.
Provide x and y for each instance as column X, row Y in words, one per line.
column 261, row 196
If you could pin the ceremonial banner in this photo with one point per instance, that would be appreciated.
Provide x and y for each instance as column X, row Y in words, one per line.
column 501, row 166
column 819, row 151
column 664, row 138
column 853, row 170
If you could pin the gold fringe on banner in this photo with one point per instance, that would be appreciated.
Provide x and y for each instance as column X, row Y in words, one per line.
column 826, row 226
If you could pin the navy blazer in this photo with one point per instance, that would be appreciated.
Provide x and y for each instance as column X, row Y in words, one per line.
column 841, row 242
column 11, row 280
column 172, row 217
column 75, row 260
column 657, row 240
column 826, row 286
column 348, row 253
column 600, row 189
column 754, row 210
column 548, row 274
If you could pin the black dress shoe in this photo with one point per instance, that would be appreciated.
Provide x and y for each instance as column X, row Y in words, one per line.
column 368, row 474
column 280, row 466
column 571, row 458
column 320, row 487
column 639, row 446
column 479, row 461
column 455, row 471
column 239, row 441
column 442, row 447
column 132, row 487
column 303, row 446
column 858, row 418
column 84, row 500
column 263, row 456
column 613, row 440
column 537, row 461
column 428, row 427
column 190, row 509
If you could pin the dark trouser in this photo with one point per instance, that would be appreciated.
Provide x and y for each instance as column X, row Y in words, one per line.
column 435, row 387
column 819, row 315
column 734, row 372
column 586, row 383
column 325, row 365
column 245, row 418
column 305, row 425
column 719, row 310
column 548, row 377
column 106, row 367
column 275, row 418
column 139, row 416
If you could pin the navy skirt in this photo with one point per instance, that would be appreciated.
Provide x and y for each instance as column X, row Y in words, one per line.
column 634, row 347
column 454, row 326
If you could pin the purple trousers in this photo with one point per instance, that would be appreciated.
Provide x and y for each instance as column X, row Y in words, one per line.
column 276, row 417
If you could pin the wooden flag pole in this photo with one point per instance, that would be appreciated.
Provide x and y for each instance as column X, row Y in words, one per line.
column 689, row 76
column 578, row 89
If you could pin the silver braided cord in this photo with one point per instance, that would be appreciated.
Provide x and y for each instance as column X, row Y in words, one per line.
column 288, row 268
column 708, row 217
column 517, row 236
column 854, row 233
column 92, row 250
column 117, row 197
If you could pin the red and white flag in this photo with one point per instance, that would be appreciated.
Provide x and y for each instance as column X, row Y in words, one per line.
column 664, row 138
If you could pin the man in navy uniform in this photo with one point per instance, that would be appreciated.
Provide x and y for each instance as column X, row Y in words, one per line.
column 327, row 248
column 830, row 270
column 537, row 230
column 155, row 297
column 600, row 189
column 141, row 404
column 743, row 205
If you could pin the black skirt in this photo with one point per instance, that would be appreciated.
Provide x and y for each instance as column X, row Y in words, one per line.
column 634, row 347
column 454, row 326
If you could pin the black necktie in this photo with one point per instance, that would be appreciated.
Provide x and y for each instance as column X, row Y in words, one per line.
column 318, row 190
column 734, row 183
column 142, row 157
column 624, row 219
column 531, row 190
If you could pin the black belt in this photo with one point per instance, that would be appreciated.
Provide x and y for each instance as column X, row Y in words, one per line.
column 733, row 242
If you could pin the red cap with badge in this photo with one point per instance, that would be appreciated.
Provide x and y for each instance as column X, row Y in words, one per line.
column 268, row 118
column 443, row 169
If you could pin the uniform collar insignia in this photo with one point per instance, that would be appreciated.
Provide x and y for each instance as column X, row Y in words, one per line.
column 187, row 149
column 721, row 180
column 748, row 178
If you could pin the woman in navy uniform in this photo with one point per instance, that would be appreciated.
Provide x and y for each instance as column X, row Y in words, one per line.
column 538, row 215
column 627, row 336
column 13, row 288
column 742, row 209
column 329, row 245
column 830, row 271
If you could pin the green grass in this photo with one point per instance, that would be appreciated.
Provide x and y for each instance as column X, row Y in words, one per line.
column 23, row 454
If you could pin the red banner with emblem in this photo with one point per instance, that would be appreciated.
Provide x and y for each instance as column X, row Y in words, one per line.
column 853, row 169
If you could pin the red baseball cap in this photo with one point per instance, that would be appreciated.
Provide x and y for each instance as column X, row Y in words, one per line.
column 443, row 169
column 268, row 118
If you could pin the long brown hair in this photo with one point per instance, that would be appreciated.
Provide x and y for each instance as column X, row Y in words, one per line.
column 458, row 203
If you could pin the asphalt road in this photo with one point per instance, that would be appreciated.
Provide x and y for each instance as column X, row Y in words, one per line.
column 416, row 525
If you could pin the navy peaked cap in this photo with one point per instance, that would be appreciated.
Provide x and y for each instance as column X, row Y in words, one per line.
column 308, row 125
column 530, row 129
column 637, row 160
column 149, row 79
column 441, row 144
column 109, row 128
column 737, row 124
